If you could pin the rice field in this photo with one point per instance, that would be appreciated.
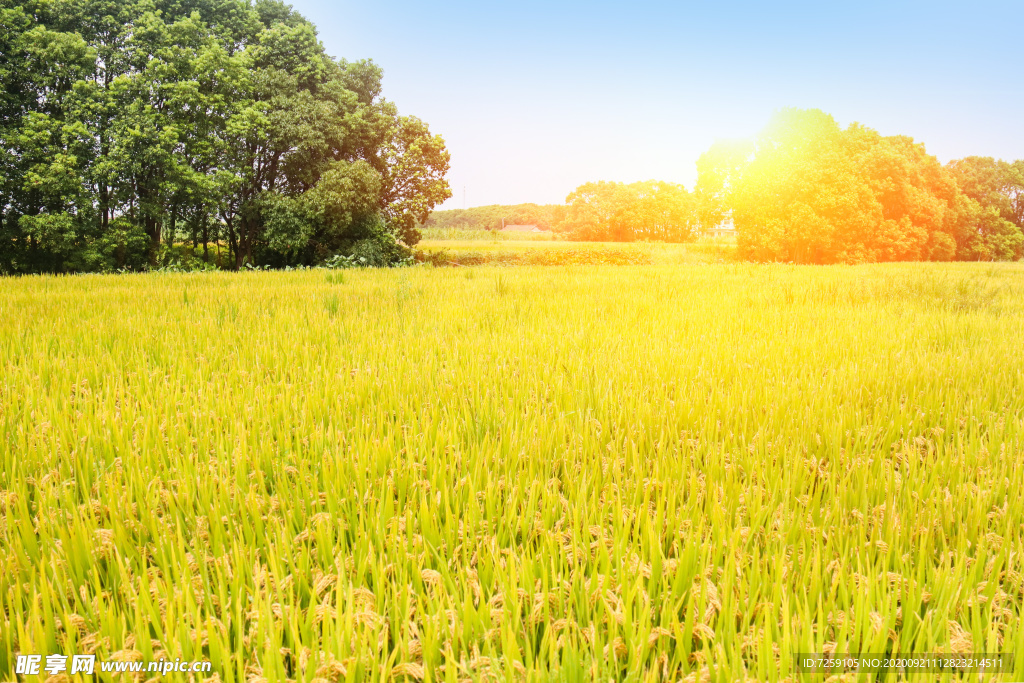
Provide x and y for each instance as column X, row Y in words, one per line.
column 456, row 234
column 634, row 473
column 507, row 252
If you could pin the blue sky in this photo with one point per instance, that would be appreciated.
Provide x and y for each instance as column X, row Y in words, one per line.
column 535, row 98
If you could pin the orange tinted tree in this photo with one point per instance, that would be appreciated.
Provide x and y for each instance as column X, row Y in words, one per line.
column 809, row 191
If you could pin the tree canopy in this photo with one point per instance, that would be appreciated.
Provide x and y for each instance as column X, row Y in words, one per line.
column 808, row 191
column 995, row 193
column 134, row 126
column 620, row 212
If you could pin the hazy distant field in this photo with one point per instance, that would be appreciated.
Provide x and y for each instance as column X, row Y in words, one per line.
column 504, row 474
column 447, row 234
column 476, row 248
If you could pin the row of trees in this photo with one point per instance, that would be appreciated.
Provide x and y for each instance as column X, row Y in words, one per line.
column 132, row 130
column 808, row 191
column 620, row 212
column 493, row 216
column 601, row 211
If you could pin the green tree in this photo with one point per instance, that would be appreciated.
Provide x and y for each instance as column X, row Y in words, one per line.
column 995, row 210
column 131, row 129
column 412, row 164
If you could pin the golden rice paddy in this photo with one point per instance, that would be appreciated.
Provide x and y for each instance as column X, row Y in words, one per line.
column 632, row 473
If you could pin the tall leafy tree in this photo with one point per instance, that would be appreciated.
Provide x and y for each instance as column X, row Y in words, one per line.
column 715, row 169
column 809, row 191
column 132, row 128
column 995, row 190
column 621, row 212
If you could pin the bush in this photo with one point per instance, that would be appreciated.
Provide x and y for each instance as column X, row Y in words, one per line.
column 180, row 259
column 372, row 253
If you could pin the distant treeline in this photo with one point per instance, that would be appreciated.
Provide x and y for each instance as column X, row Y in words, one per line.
column 601, row 211
column 492, row 217
column 804, row 190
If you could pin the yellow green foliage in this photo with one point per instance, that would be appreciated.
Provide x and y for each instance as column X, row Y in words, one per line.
column 621, row 212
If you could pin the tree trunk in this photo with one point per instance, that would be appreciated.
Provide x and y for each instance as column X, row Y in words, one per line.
column 232, row 241
column 206, row 237
column 172, row 227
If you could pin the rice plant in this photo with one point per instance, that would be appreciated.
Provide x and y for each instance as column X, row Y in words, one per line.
column 631, row 473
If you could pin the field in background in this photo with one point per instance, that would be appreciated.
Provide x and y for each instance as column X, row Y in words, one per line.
column 629, row 473
column 473, row 249
column 433, row 234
